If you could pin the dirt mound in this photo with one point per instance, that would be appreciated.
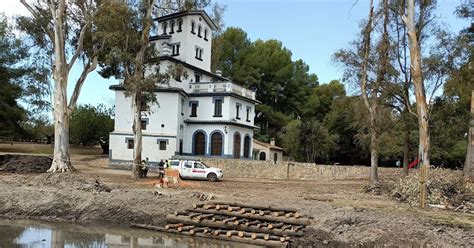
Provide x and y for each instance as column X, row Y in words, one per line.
column 24, row 163
column 70, row 181
column 317, row 238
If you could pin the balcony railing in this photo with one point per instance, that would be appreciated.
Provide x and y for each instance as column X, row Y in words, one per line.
column 222, row 87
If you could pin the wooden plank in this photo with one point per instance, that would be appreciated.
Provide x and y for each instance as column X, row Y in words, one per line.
column 230, row 226
column 267, row 243
column 299, row 221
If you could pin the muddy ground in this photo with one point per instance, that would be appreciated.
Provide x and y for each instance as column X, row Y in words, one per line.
column 344, row 215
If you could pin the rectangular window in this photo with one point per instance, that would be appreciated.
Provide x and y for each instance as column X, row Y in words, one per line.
column 194, row 107
column 197, row 78
column 237, row 111
column 143, row 124
column 130, row 144
column 188, row 164
column 175, row 49
column 248, row 114
column 182, row 106
column 217, row 107
column 172, row 27
column 199, row 52
column 162, row 145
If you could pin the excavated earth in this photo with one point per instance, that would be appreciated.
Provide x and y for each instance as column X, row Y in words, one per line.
column 24, row 163
column 343, row 215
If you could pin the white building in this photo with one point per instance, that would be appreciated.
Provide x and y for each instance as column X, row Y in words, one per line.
column 267, row 151
column 204, row 114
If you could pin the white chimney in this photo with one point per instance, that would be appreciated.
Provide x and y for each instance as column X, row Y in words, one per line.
column 219, row 73
column 272, row 141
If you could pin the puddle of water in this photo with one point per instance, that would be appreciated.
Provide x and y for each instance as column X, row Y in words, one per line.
column 38, row 234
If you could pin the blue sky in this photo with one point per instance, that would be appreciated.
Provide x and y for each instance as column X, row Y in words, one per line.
column 312, row 29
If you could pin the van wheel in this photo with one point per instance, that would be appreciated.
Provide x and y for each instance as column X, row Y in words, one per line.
column 181, row 177
column 212, row 177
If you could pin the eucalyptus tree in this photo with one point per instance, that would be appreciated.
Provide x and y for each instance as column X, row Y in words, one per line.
column 59, row 29
column 369, row 68
column 422, row 107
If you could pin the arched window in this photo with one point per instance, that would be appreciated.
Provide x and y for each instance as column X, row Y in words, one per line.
column 205, row 34
column 199, row 141
column 263, row 156
column 180, row 25
column 247, row 147
column 275, row 157
column 171, row 26
column 216, row 144
column 199, row 30
column 193, row 27
column 237, row 145
column 164, row 26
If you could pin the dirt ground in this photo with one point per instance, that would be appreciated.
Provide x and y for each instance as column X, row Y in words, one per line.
column 343, row 215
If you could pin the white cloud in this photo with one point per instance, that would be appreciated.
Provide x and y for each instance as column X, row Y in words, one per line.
column 13, row 8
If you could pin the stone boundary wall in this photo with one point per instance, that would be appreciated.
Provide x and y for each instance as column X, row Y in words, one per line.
column 236, row 168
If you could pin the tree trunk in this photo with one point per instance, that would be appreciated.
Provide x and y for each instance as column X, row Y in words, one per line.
column 374, row 155
column 61, row 158
column 371, row 107
column 406, row 148
column 420, row 95
column 137, row 134
column 469, row 165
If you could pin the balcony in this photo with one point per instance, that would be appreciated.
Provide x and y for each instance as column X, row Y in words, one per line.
column 222, row 87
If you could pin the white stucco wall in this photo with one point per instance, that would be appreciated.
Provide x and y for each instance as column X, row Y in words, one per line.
column 243, row 111
column 120, row 152
column 165, row 112
column 205, row 110
column 188, row 41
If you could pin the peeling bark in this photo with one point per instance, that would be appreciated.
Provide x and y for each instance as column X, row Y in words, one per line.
column 137, row 135
column 420, row 95
column 56, row 31
column 61, row 159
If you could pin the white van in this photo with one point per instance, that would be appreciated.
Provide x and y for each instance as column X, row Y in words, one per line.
column 191, row 169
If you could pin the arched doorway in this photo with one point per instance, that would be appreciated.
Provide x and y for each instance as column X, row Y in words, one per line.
column 263, row 156
column 199, row 143
column 237, row 145
column 247, row 147
column 216, row 144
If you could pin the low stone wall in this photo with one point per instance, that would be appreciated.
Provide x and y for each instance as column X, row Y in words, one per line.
column 292, row 170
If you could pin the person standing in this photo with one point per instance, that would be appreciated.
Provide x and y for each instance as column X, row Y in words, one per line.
column 145, row 167
column 161, row 171
column 398, row 163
